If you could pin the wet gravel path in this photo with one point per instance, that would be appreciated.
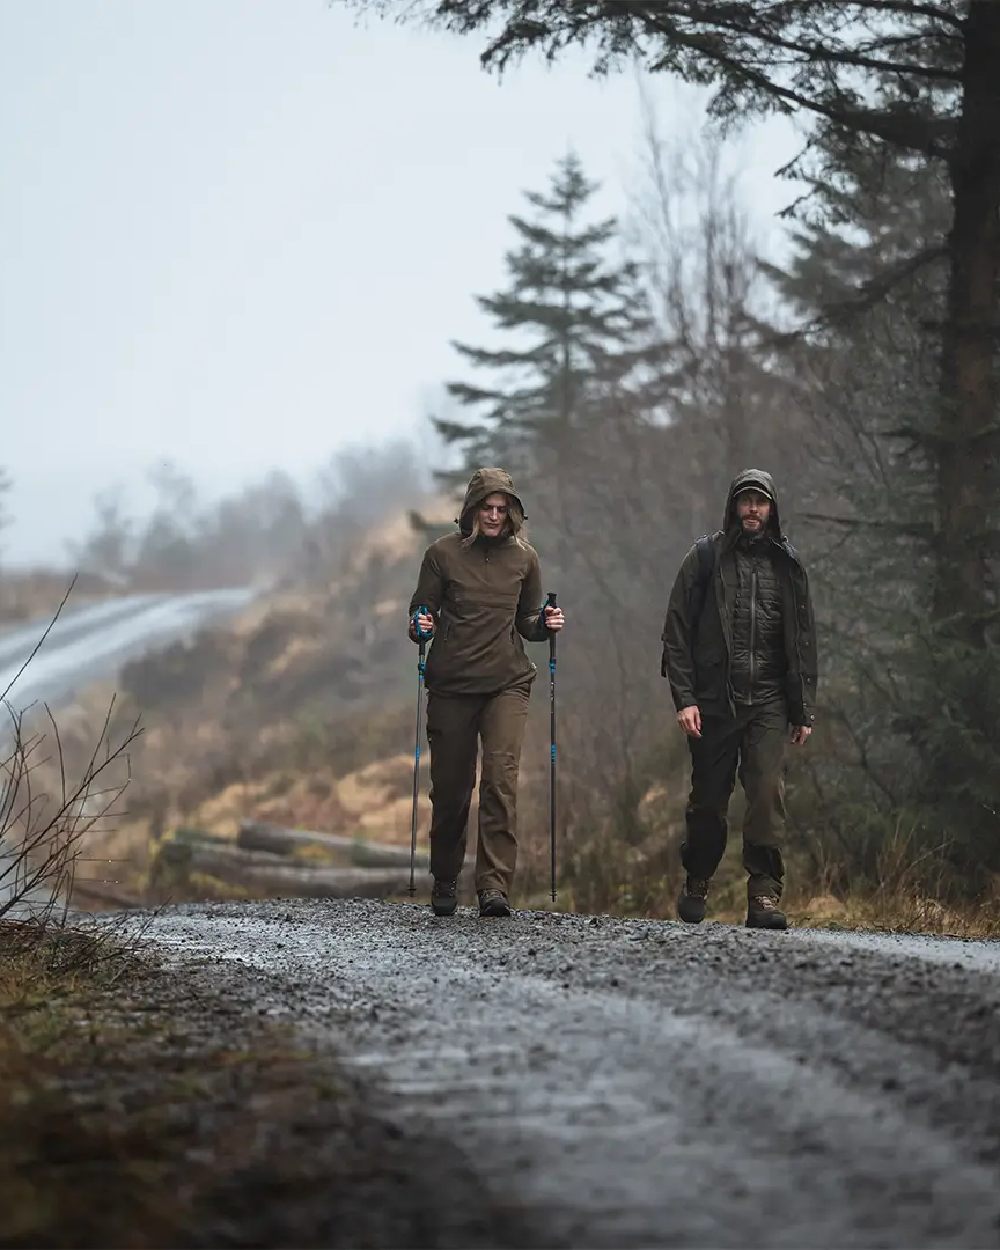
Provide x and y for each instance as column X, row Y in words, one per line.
column 636, row 1083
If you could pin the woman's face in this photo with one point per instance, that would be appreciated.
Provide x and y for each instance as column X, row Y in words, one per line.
column 493, row 514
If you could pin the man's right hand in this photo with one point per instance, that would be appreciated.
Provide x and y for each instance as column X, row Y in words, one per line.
column 425, row 622
column 689, row 719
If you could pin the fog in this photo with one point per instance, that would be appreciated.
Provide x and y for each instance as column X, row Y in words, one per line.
column 238, row 237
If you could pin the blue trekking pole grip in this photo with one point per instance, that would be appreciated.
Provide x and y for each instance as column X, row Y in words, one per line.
column 550, row 602
column 421, row 635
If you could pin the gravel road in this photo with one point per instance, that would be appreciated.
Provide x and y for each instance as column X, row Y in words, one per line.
column 640, row 1083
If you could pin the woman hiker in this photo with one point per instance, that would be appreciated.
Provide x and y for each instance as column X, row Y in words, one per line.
column 479, row 593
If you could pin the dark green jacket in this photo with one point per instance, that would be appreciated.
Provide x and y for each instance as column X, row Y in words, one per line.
column 698, row 645
column 484, row 597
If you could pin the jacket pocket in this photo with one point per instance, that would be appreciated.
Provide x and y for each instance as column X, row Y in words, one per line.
column 709, row 678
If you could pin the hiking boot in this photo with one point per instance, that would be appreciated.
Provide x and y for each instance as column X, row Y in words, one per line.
column 444, row 897
column 691, row 904
column 763, row 912
column 493, row 903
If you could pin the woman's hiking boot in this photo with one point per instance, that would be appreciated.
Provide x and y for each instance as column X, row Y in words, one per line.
column 444, row 897
column 493, row 903
column 763, row 912
column 691, row 904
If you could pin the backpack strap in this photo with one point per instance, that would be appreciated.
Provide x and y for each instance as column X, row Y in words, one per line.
column 706, row 567
column 705, row 546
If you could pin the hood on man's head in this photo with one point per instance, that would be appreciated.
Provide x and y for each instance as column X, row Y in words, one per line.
column 486, row 482
column 752, row 479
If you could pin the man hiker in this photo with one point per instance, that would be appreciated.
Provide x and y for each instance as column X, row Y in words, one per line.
column 479, row 593
column 739, row 649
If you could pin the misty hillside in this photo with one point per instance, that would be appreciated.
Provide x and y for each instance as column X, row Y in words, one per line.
column 262, row 718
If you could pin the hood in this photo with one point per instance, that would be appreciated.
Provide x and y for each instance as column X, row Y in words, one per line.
column 761, row 481
column 486, row 482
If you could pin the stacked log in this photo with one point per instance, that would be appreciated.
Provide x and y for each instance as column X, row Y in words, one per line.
column 270, row 861
column 255, row 835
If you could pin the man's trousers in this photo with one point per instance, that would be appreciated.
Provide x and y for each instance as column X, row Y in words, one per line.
column 752, row 743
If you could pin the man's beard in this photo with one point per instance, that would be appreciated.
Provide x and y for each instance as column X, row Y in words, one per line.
column 752, row 533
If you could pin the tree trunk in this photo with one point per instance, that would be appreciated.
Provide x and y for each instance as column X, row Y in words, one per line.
column 968, row 429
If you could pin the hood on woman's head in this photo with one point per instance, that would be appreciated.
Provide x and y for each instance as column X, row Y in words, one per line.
column 485, row 482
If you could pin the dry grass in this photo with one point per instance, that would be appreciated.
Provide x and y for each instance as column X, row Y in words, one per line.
column 912, row 892
column 55, row 1146
column 49, row 805
column 902, row 913
column 123, row 1118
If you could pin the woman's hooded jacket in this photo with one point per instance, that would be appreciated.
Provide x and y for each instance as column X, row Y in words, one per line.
column 485, row 596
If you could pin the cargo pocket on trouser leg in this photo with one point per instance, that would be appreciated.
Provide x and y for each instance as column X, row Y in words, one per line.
column 502, row 729
column 497, row 855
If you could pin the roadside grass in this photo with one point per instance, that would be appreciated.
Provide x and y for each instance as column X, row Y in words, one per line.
column 122, row 1117
column 907, row 895
column 55, row 1148
column 900, row 912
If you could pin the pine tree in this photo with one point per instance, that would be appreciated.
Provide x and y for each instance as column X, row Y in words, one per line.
column 573, row 324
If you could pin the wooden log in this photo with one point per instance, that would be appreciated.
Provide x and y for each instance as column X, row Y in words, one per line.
column 255, row 835
column 268, row 874
column 184, row 833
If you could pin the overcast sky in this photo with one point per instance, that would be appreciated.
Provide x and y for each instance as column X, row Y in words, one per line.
column 240, row 234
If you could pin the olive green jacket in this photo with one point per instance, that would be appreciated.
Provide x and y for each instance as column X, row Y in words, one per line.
column 485, row 598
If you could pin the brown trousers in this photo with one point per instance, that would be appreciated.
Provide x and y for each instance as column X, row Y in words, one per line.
column 455, row 723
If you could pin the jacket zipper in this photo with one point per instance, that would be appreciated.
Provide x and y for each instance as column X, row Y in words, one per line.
column 753, row 627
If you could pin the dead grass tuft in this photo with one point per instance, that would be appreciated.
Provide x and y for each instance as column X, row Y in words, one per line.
column 127, row 1116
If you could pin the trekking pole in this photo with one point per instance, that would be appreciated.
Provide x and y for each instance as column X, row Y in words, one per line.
column 550, row 602
column 422, row 637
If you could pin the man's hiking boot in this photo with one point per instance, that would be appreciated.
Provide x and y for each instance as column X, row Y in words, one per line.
column 691, row 904
column 444, row 897
column 493, row 903
column 763, row 912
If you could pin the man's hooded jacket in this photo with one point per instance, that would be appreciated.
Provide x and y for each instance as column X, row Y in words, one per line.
column 485, row 597
column 701, row 650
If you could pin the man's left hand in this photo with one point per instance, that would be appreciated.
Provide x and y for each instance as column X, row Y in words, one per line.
column 800, row 735
column 554, row 620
